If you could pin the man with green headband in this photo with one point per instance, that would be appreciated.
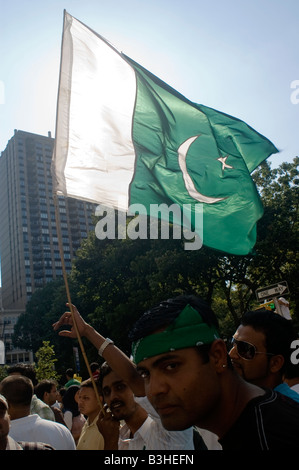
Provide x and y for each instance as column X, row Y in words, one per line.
column 184, row 369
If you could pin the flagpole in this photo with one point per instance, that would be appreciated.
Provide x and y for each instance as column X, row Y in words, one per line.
column 59, row 236
column 64, row 273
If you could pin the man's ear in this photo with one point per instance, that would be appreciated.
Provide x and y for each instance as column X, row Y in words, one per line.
column 276, row 363
column 218, row 355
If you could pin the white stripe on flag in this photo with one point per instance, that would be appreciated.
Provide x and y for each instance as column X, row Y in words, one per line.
column 94, row 151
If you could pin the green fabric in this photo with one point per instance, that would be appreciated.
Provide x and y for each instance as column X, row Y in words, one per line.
column 163, row 120
column 188, row 330
column 72, row 382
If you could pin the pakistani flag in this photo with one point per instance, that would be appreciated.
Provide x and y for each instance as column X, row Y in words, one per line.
column 123, row 137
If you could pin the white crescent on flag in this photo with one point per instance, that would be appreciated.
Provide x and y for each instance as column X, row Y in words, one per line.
column 192, row 191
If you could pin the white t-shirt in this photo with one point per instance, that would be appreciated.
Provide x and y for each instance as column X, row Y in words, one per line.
column 32, row 428
column 152, row 435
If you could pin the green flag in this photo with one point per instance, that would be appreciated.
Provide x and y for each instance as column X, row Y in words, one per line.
column 124, row 137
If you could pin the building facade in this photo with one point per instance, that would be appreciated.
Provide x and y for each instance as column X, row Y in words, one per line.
column 29, row 248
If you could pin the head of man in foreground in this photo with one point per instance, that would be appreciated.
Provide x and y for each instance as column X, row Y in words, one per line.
column 183, row 361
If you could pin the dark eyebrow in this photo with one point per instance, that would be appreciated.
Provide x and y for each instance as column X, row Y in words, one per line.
column 117, row 382
column 160, row 360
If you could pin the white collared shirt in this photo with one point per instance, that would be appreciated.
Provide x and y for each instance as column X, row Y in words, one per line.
column 152, row 435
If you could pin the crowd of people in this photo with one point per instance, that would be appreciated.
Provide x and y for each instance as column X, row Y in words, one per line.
column 184, row 388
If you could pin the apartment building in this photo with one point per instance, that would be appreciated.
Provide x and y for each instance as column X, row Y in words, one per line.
column 29, row 247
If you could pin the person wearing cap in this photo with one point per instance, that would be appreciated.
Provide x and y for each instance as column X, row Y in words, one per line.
column 183, row 366
column 121, row 365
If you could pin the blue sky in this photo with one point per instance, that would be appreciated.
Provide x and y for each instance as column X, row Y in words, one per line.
column 235, row 56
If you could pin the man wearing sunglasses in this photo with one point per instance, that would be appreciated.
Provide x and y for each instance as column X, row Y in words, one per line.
column 182, row 365
column 260, row 350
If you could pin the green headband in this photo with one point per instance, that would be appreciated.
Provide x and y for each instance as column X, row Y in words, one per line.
column 188, row 330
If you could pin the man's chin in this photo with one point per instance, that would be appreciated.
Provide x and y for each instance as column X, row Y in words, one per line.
column 238, row 368
column 173, row 424
column 118, row 415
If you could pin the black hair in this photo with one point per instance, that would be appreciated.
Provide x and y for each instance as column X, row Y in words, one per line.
column 69, row 402
column 105, row 369
column 17, row 389
column 279, row 332
column 167, row 311
column 88, row 383
column 94, row 366
column 27, row 370
column 42, row 387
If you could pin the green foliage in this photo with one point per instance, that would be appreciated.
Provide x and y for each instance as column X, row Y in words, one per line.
column 277, row 248
column 35, row 325
column 3, row 372
column 45, row 368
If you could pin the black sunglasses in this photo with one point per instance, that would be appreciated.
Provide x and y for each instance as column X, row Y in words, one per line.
column 246, row 350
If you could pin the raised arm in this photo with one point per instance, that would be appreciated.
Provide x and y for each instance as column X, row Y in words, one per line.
column 116, row 359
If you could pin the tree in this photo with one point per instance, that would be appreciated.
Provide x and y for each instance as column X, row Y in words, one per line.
column 35, row 325
column 45, row 368
column 277, row 248
column 3, row 372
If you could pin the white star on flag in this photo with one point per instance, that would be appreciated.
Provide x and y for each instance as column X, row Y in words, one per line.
column 223, row 161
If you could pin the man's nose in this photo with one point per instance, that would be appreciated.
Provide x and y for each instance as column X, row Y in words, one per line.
column 113, row 395
column 233, row 352
column 156, row 386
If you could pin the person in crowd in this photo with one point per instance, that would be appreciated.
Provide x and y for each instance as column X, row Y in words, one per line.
column 284, row 308
column 37, row 406
column 71, row 380
column 143, row 429
column 95, row 370
column 261, row 350
column 18, row 391
column 89, row 405
column 60, row 394
column 128, row 372
column 7, row 442
column 72, row 416
column 46, row 390
column 183, row 366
